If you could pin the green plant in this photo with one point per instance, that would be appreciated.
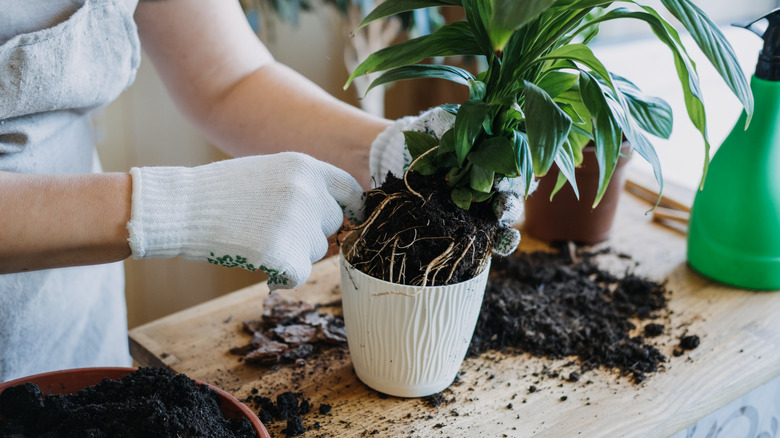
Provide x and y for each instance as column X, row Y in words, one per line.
column 544, row 94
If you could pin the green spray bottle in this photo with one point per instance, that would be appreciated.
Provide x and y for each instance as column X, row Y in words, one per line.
column 734, row 227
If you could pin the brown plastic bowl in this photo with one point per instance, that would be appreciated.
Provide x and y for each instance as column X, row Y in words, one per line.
column 74, row 380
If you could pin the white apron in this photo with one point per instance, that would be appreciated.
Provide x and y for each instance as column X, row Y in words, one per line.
column 49, row 81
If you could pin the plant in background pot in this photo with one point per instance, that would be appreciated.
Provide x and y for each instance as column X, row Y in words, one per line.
column 543, row 95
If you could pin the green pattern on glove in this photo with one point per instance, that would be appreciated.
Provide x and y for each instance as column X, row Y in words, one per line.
column 274, row 276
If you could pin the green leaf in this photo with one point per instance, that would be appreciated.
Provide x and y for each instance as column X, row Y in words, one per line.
column 606, row 131
column 556, row 82
column 477, row 14
column 652, row 114
column 417, row 71
column 447, row 142
column 582, row 54
column 524, row 159
column 715, row 47
column 454, row 39
column 686, row 69
column 547, row 127
column 477, row 90
column 419, row 143
column 481, row 179
column 394, row 7
column 461, row 196
column 565, row 161
column 496, row 154
column 509, row 15
column 480, row 196
column 468, row 124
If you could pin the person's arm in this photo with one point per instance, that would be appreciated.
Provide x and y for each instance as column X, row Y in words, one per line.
column 50, row 221
column 227, row 83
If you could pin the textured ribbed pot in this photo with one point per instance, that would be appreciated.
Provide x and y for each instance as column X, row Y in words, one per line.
column 569, row 218
column 408, row 341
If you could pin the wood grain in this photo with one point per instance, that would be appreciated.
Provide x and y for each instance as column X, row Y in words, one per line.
column 740, row 350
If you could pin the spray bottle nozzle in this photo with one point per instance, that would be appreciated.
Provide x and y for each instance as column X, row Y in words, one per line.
column 768, row 66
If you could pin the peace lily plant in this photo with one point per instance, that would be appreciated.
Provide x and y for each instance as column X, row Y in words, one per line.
column 544, row 94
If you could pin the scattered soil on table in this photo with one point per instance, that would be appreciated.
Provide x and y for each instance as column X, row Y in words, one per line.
column 289, row 331
column 150, row 402
column 421, row 238
column 561, row 304
column 290, row 408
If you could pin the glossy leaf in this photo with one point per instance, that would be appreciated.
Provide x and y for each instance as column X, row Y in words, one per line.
column 565, row 161
column 525, row 162
column 715, row 47
column 582, row 54
column 556, row 82
column 468, row 123
column 419, row 143
column 481, row 179
column 454, row 39
column 496, row 154
column 547, row 127
column 509, row 15
column 461, row 196
column 419, row 71
column 389, row 8
column 606, row 132
column 652, row 114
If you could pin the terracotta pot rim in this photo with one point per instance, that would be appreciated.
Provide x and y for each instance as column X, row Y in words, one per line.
column 90, row 373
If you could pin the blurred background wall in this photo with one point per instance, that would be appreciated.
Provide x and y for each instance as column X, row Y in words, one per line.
column 143, row 127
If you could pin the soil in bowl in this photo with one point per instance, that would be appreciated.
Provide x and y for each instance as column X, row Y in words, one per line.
column 149, row 402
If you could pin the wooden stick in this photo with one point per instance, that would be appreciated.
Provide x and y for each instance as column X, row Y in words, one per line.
column 651, row 196
column 663, row 213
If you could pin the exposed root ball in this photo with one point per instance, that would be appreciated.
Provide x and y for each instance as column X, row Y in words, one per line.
column 421, row 238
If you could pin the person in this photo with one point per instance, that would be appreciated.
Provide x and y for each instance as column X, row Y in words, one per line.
column 65, row 226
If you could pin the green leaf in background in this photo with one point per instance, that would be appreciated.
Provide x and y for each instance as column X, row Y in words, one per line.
column 477, row 90
column 419, row 143
column 389, row 8
column 417, row 71
column 450, row 40
column 468, row 124
column 715, row 47
column 496, row 154
column 461, row 196
column 547, row 126
column 509, row 15
column 652, row 114
column 481, row 179
column 606, row 132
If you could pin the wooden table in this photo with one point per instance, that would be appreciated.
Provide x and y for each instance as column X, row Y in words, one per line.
column 739, row 351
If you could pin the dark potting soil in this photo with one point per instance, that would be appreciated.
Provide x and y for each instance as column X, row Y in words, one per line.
column 147, row 403
column 549, row 304
column 456, row 241
column 290, row 407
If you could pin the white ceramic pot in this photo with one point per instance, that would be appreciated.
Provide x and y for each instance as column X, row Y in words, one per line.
column 408, row 341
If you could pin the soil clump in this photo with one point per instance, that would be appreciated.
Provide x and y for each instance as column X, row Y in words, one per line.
column 421, row 238
column 561, row 304
column 149, row 402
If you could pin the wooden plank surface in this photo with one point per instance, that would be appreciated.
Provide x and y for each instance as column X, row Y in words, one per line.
column 740, row 350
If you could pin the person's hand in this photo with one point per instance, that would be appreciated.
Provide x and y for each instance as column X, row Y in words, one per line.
column 271, row 213
column 390, row 154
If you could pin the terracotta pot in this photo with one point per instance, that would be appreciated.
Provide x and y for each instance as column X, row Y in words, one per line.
column 74, row 380
column 408, row 341
column 566, row 217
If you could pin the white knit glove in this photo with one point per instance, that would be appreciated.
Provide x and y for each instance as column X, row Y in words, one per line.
column 272, row 213
column 390, row 154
